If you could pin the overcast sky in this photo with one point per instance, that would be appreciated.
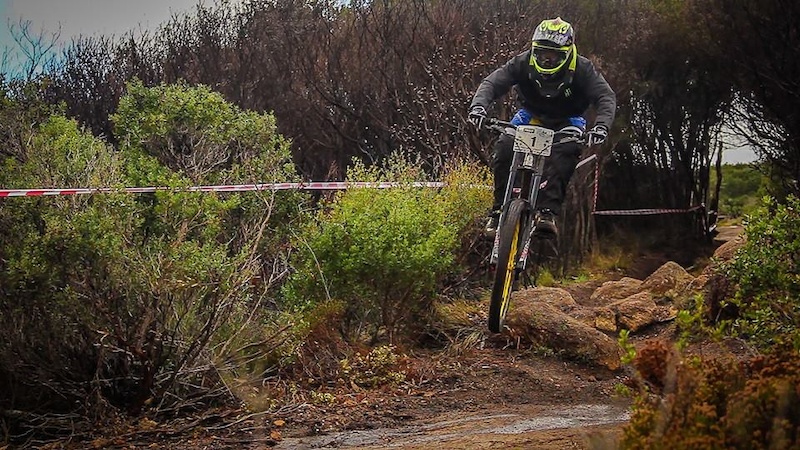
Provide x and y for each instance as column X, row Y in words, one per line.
column 89, row 17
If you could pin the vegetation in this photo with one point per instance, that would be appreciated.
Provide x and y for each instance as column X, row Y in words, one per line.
column 719, row 404
column 766, row 275
column 157, row 304
column 741, row 190
column 115, row 302
column 722, row 403
column 385, row 253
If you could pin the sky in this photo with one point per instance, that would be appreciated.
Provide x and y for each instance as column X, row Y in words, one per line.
column 738, row 155
column 88, row 17
column 118, row 17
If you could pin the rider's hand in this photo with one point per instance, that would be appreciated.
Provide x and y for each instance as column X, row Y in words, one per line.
column 598, row 135
column 477, row 115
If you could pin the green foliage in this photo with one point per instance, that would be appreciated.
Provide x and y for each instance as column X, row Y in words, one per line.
column 692, row 324
column 383, row 252
column 195, row 131
column 180, row 135
column 742, row 187
column 129, row 301
column 628, row 350
column 546, row 278
column 22, row 109
column 766, row 271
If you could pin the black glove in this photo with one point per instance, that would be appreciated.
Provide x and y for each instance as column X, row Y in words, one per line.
column 597, row 135
column 477, row 115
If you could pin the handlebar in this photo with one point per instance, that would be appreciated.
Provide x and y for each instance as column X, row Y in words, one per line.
column 569, row 133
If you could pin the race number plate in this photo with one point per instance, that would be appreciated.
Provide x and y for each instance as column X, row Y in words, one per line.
column 533, row 139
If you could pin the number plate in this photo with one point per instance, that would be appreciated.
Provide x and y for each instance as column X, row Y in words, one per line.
column 533, row 139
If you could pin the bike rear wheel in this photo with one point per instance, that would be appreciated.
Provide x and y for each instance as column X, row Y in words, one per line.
column 505, row 275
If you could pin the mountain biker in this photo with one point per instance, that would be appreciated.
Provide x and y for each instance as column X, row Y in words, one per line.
column 554, row 86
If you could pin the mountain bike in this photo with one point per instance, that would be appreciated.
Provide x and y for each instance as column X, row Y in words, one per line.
column 516, row 229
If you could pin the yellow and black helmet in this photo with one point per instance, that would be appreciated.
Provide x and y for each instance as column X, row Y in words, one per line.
column 553, row 47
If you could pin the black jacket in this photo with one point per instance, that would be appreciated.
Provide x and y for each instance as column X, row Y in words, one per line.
column 588, row 87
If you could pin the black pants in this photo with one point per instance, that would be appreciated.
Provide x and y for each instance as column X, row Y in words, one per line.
column 558, row 169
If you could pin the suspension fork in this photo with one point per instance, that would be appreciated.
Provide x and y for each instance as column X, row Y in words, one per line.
column 535, row 179
column 513, row 173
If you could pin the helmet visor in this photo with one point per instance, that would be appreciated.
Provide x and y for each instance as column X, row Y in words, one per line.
column 549, row 58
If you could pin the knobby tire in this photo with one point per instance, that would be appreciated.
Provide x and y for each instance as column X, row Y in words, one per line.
column 505, row 275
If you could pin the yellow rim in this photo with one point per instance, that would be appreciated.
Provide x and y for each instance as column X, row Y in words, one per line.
column 512, row 262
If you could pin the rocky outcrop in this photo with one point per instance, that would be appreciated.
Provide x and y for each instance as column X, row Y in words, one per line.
column 544, row 324
column 552, row 318
column 641, row 310
column 559, row 298
column 588, row 329
column 615, row 290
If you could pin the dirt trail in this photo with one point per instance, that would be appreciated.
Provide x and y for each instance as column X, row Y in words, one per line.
column 491, row 398
column 488, row 398
column 525, row 426
column 490, row 394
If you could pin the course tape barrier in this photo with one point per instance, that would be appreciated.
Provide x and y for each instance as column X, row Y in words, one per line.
column 628, row 212
column 310, row 186
column 645, row 212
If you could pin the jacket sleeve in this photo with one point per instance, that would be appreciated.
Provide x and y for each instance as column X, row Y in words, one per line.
column 499, row 82
column 601, row 95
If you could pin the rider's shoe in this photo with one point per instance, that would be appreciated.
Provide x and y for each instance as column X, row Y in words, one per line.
column 546, row 224
column 491, row 223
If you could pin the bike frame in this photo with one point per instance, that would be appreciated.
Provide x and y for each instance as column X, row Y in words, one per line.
column 524, row 182
column 512, row 242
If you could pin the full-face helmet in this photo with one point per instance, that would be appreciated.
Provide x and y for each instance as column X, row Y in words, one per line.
column 553, row 47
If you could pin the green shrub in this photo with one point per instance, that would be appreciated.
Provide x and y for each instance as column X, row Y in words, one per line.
column 383, row 252
column 766, row 272
column 138, row 302
column 177, row 135
column 742, row 187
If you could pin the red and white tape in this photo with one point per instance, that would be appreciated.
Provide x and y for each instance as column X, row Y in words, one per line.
column 631, row 212
column 645, row 212
column 311, row 186
column 308, row 186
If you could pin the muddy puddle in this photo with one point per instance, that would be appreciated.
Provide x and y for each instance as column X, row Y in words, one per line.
column 454, row 428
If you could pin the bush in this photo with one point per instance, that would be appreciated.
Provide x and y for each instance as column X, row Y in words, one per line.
column 384, row 253
column 113, row 302
column 721, row 404
column 742, row 187
column 766, row 273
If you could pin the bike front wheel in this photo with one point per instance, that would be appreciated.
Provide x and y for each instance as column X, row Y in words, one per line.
column 505, row 275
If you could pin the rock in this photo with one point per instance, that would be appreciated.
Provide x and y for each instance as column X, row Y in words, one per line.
column 540, row 322
column 668, row 281
column 699, row 283
column 616, row 290
column 557, row 297
column 727, row 250
column 723, row 253
column 639, row 311
column 605, row 319
column 716, row 289
column 600, row 317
